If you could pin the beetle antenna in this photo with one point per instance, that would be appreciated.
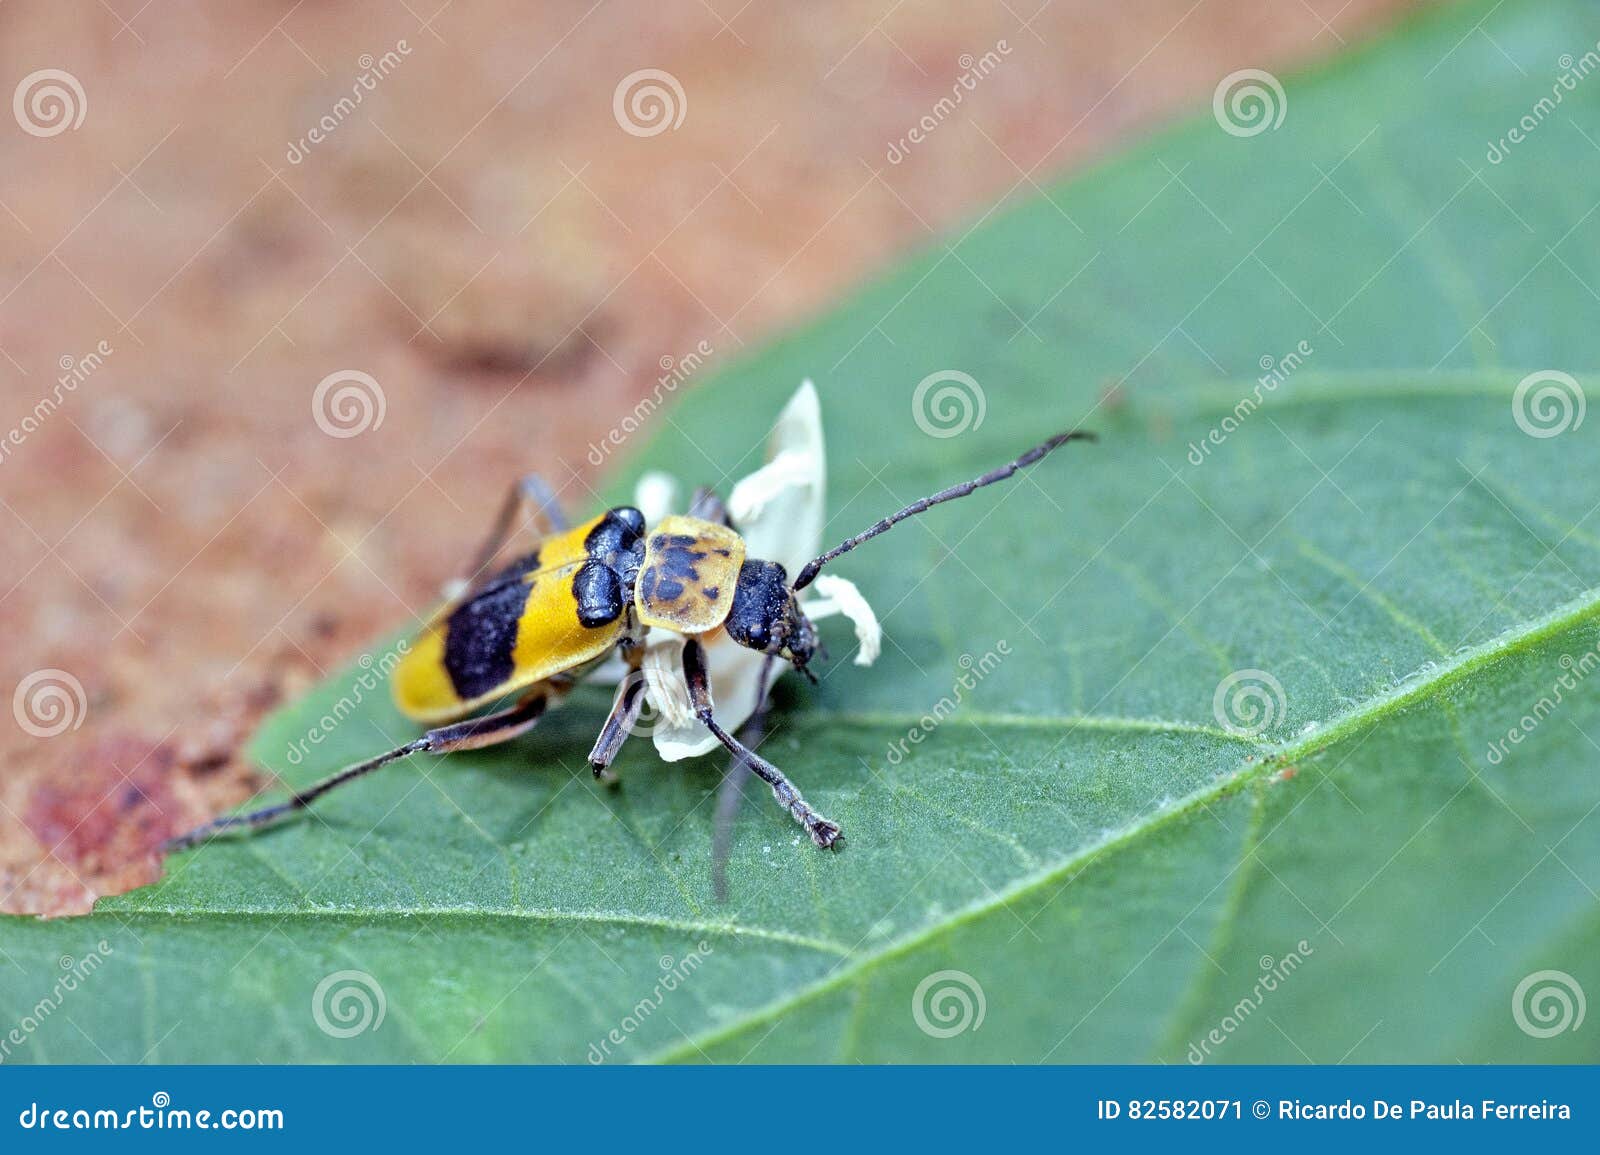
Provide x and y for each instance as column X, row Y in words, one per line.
column 809, row 573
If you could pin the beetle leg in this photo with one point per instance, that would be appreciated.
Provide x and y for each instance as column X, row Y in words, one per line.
column 530, row 491
column 707, row 506
column 731, row 791
column 823, row 832
column 469, row 735
column 625, row 711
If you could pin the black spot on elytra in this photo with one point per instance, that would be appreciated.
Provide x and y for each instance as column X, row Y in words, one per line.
column 482, row 632
column 712, row 593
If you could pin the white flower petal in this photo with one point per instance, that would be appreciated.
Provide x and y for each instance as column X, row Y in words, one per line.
column 656, row 495
column 840, row 596
column 664, row 682
column 734, row 673
column 779, row 509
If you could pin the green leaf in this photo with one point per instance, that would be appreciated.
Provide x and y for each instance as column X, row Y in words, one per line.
column 1082, row 837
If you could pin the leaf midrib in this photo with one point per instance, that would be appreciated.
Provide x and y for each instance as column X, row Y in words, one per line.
column 369, row 916
column 1440, row 677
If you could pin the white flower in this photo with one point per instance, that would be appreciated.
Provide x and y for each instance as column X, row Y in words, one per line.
column 779, row 509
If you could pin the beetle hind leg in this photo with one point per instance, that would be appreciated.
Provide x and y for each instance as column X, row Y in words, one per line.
column 823, row 832
column 530, row 493
column 469, row 735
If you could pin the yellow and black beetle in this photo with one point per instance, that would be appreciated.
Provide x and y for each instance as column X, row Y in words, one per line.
column 533, row 628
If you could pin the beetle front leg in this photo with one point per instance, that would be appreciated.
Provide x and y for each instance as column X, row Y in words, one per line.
column 822, row 831
column 625, row 710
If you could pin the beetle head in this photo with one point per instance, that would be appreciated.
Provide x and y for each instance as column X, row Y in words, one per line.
column 766, row 617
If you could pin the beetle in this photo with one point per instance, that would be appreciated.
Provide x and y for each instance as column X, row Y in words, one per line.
column 531, row 629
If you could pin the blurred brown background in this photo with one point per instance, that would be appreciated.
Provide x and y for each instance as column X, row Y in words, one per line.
column 484, row 238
